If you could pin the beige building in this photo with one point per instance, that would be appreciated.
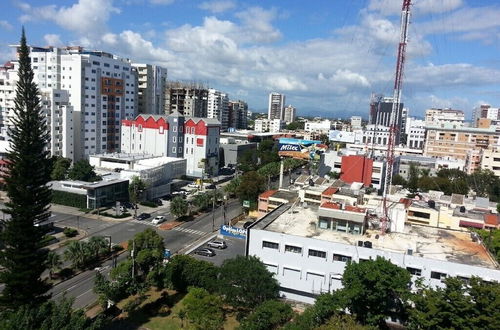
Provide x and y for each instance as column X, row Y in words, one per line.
column 435, row 117
column 491, row 159
column 453, row 141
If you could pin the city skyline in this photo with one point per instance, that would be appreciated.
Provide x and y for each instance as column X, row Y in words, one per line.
column 330, row 66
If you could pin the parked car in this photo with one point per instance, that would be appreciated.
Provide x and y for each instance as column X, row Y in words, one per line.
column 193, row 185
column 205, row 252
column 143, row 216
column 217, row 244
column 247, row 224
column 167, row 197
column 211, row 186
column 158, row 219
column 158, row 201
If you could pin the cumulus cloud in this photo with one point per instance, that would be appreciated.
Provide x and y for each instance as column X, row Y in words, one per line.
column 52, row 39
column 217, row 6
column 86, row 17
column 392, row 7
column 5, row 25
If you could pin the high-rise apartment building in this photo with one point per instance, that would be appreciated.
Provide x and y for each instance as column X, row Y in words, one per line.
column 152, row 84
column 238, row 114
column 187, row 99
column 356, row 122
column 488, row 112
column 218, row 107
column 436, row 117
column 289, row 114
column 380, row 115
column 276, row 105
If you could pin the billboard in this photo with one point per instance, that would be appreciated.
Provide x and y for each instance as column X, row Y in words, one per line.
column 301, row 149
column 342, row 136
column 226, row 230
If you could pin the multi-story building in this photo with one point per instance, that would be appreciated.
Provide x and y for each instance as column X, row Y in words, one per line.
column 152, row 83
column 238, row 114
column 436, row 117
column 276, row 105
column 55, row 105
column 454, row 141
column 289, row 114
column 276, row 125
column 261, row 125
column 356, row 122
column 194, row 139
column 323, row 126
column 380, row 114
column 377, row 135
column 186, row 99
column 491, row 159
column 488, row 112
column 218, row 107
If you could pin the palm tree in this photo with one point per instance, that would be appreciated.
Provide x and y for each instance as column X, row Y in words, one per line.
column 201, row 201
column 77, row 254
column 96, row 245
column 54, row 262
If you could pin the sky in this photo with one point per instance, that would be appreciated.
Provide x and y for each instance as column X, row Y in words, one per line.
column 326, row 56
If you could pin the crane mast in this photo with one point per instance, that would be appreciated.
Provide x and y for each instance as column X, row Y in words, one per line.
column 394, row 118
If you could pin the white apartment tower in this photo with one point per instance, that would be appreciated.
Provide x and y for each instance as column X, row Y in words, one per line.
column 289, row 114
column 276, row 104
column 218, row 107
column 54, row 104
column 152, row 84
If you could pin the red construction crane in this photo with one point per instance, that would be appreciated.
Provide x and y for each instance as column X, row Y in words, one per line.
column 394, row 119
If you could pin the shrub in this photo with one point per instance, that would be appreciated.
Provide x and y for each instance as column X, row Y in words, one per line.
column 70, row 232
column 69, row 199
column 148, row 204
column 47, row 240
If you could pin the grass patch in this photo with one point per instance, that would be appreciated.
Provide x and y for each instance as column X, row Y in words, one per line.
column 148, row 204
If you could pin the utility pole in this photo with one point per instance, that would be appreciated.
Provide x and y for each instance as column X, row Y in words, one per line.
column 213, row 211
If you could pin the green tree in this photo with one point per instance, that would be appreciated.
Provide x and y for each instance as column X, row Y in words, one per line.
column 485, row 184
column 246, row 282
column 54, row 263
column 203, row 309
column 49, row 316
column 60, row 168
column 26, row 178
column 270, row 314
column 252, row 184
column 457, row 306
column 178, row 207
column 375, row 290
column 202, row 201
column 248, row 161
column 269, row 170
column 185, row 271
column 77, row 253
column 96, row 246
column 399, row 180
column 342, row 322
column 148, row 239
column 135, row 189
column 267, row 152
column 413, row 177
column 296, row 125
column 83, row 171
column 232, row 187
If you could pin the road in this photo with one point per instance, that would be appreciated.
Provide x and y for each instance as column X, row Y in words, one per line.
column 81, row 286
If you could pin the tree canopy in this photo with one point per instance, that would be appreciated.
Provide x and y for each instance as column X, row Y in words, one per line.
column 83, row 171
column 178, row 207
column 60, row 168
column 251, row 185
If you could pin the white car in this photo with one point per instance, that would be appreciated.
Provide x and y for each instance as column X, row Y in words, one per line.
column 158, row 219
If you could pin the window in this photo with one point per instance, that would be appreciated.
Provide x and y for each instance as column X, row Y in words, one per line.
column 270, row 245
column 174, row 129
column 174, row 150
column 340, row 257
column 414, row 271
column 316, row 253
column 180, row 149
column 294, row 249
column 438, row 275
column 174, row 139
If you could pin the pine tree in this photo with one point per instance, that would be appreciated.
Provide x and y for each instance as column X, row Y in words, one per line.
column 26, row 178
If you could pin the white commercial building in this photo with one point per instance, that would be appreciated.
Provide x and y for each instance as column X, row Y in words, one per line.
column 377, row 135
column 356, row 122
column 194, row 139
column 435, row 117
column 307, row 248
column 261, row 125
column 276, row 125
column 218, row 107
column 152, row 84
column 318, row 126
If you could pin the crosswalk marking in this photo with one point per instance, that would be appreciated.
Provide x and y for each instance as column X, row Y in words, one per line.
column 190, row 231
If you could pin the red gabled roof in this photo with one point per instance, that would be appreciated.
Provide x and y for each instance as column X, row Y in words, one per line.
column 329, row 191
column 354, row 209
column 267, row 194
column 491, row 219
column 330, row 205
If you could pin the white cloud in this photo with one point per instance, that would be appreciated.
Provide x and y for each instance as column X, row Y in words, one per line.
column 393, row 7
column 162, row 2
column 5, row 25
column 217, row 6
column 87, row 17
column 52, row 39
column 257, row 25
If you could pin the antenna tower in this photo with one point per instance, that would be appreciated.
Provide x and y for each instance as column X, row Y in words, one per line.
column 394, row 120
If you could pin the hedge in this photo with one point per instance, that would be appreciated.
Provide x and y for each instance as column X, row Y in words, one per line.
column 69, row 199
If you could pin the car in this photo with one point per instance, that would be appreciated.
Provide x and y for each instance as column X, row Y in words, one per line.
column 193, row 185
column 247, row 224
column 298, row 172
column 211, row 186
column 143, row 216
column 129, row 205
column 205, row 252
column 158, row 201
column 217, row 244
column 158, row 219
column 167, row 197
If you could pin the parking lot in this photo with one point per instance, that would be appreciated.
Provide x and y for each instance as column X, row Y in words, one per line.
column 235, row 247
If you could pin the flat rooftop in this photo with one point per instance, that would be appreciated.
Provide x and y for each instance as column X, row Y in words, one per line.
column 427, row 242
